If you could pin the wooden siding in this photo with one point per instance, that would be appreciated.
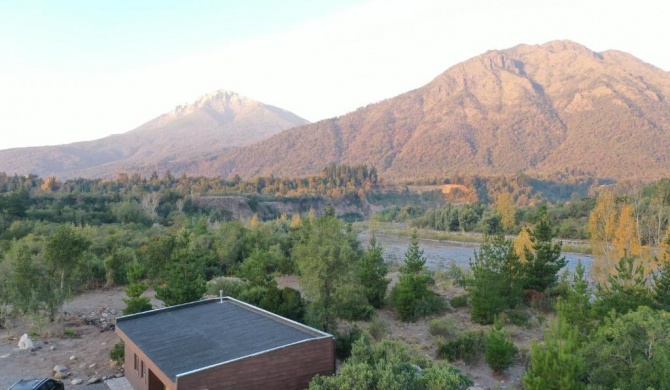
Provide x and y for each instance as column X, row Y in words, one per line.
column 287, row 368
column 136, row 381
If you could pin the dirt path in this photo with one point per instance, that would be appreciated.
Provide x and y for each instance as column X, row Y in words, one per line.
column 90, row 347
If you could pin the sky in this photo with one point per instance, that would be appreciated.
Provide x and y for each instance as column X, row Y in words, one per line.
column 81, row 70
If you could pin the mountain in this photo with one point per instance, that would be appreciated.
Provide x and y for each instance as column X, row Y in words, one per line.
column 539, row 109
column 209, row 126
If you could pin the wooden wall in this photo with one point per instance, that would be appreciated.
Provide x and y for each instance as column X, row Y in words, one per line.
column 285, row 368
column 134, row 377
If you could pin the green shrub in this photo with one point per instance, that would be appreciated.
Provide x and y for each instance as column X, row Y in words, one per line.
column 500, row 350
column 458, row 274
column 378, row 328
column 442, row 327
column 344, row 342
column 467, row 347
column 117, row 353
column 459, row 301
column 231, row 287
column 517, row 317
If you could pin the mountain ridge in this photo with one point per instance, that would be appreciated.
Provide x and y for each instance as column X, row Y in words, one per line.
column 537, row 109
column 213, row 123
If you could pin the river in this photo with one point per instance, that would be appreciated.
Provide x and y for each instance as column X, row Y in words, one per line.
column 439, row 254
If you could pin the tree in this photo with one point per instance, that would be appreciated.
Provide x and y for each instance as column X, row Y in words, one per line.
column 506, row 210
column 496, row 283
column 411, row 297
column 624, row 290
column 602, row 226
column 630, row 351
column 575, row 306
column 27, row 292
column 135, row 302
column 543, row 258
column 499, row 349
column 326, row 256
column 62, row 255
column 555, row 363
column 372, row 272
column 414, row 259
column 661, row 290
column 182, row 279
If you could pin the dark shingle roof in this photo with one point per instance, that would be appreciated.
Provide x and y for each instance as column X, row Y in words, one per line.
column 188, row 337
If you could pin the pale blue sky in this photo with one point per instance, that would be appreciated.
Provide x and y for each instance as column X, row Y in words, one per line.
column 80, row 70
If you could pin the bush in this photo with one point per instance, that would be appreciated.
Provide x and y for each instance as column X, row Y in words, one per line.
column 458, row 274
column 118, row 353
column 345, row 341
column 467, row 347
column 442, row 327
column 517, row 317
column 231, row 287
column 500, row 350
column 378, row 328
column 412, row 299
column 459, row 301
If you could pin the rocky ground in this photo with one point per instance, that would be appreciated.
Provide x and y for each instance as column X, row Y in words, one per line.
column 83, row 353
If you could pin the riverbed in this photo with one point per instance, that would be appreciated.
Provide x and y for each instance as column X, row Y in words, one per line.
column 440, row 254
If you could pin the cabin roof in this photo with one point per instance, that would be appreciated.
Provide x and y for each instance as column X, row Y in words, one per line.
column 193, row 336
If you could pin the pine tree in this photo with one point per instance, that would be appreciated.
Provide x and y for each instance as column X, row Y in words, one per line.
column 496, row 283
column 136, row 303
column 183, row 277
column 555, row 363
column 372, row 272
column 414, row 259
column 625, row 290
column 575, row 307
column 500, row 350
column 411, row 297
column 543, row 258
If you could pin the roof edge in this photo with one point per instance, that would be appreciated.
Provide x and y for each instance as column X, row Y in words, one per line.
column 162, row 310
column 245, row 305
column 276, row 317
column 183, row 374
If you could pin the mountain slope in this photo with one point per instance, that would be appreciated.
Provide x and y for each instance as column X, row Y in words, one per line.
column 214, row 123
column 542, row 109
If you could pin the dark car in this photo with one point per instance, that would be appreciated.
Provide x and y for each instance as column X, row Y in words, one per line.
column 38, row 384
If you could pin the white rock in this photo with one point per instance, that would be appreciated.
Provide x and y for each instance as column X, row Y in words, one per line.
column 92, row 365
column 61, row 375
column 73, row 357
column 5, row 356
column 25, row 342
column 60, row 368
column 76, row 381
column 93, row 380
column 52, row 348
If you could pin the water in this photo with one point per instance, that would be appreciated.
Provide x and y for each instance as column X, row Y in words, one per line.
column 439, row 254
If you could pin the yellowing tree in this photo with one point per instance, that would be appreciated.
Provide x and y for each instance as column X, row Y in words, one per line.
column 506, row 210
column 626, row 239
column 602, row 227
column 521, row 242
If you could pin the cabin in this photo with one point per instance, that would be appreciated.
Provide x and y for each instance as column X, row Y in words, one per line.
column 221, row 343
